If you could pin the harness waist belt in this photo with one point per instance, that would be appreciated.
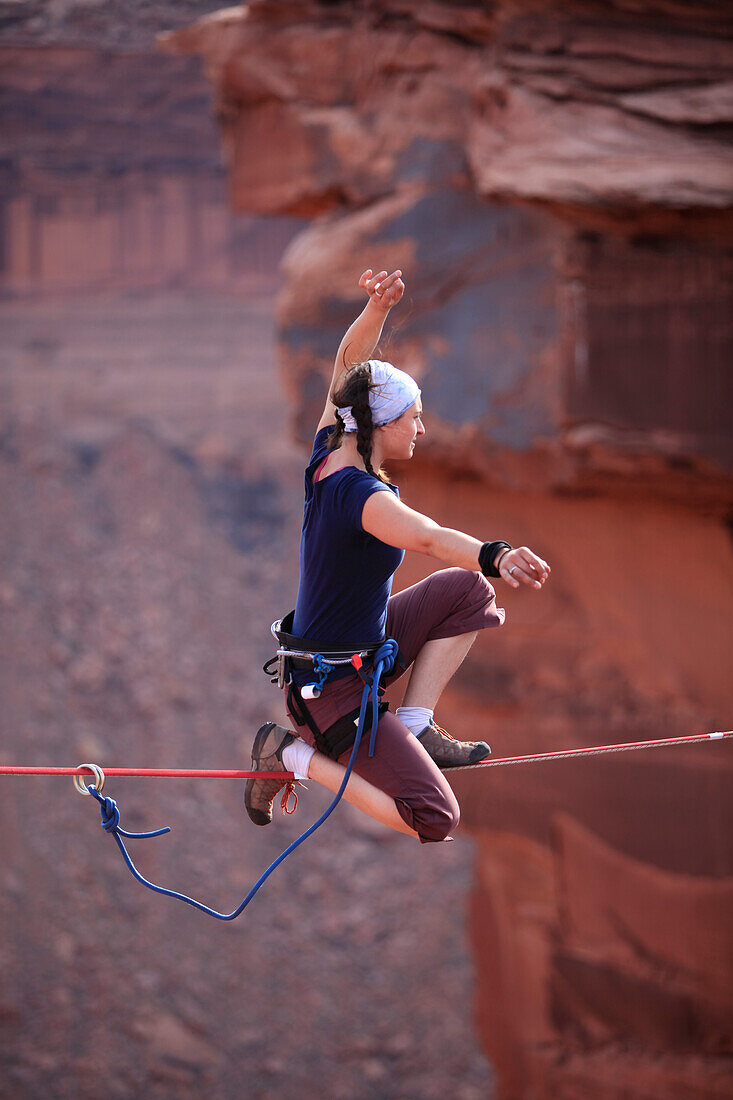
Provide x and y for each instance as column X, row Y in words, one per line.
column 303, row 654
column 302, row 648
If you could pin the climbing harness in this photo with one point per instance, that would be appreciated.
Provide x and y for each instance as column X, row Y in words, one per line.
column 384, row 659
column 296, row 655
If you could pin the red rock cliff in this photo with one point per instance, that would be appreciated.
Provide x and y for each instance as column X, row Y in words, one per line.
column 555, row 182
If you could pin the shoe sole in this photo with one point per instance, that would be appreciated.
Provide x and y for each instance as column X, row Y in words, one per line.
column 477, row 759
column 255, row 815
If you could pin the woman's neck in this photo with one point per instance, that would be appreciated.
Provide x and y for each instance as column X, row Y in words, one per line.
column 351, row 456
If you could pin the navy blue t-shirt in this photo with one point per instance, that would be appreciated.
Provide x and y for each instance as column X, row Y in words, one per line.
column 345, row 573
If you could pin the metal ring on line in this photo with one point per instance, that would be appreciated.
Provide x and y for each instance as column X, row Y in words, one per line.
column 98, row 778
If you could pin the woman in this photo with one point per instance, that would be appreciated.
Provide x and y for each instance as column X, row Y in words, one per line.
column 355, row 532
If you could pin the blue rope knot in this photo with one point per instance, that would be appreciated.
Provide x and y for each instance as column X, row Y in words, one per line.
column 111, row 821
column 321, row 667
column 110, row 815
column 386, row 655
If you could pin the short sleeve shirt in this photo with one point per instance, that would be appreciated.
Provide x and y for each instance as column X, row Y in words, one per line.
column 345, row 573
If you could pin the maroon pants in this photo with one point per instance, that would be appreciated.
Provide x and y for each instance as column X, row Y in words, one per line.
column 447, row 603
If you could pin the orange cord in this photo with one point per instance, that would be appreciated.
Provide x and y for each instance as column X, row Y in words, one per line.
column 289, row 790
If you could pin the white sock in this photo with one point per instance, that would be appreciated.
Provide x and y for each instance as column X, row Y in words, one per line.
column 415, row 718
column 296, row 758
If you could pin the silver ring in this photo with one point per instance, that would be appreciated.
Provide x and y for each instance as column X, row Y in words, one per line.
column 98, row 774
column 511, row 571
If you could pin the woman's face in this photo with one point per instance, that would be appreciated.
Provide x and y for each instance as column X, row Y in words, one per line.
column 400, row 435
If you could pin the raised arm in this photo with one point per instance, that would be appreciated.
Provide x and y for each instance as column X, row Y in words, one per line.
column 391, row 521
column 363, row 335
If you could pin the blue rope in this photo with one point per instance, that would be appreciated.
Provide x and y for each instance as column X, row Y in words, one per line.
column 384, row 660
column 321, row 667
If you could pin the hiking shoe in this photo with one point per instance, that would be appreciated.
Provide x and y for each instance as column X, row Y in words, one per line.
column 447, row 752
column 270, row 740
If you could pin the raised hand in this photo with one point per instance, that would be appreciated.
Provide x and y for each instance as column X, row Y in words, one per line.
column 522, row 566
column 384, row 290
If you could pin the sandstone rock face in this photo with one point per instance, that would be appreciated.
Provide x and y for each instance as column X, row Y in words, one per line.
column 539, row 174
column 381, row 93
column 555, row 182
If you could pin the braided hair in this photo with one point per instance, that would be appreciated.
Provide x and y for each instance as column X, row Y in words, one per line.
column 354, row 391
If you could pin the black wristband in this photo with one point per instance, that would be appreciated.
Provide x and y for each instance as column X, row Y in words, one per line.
column 487, row 556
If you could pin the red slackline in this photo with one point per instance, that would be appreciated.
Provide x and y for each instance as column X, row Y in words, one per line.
column 159, row 773
column 208, row 773
column 596, row 750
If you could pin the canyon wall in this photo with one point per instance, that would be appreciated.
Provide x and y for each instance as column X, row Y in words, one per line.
column 555, row 183
column 111, row 179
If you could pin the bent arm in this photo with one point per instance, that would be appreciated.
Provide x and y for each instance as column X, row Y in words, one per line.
column 363, row 335
column 391, row 521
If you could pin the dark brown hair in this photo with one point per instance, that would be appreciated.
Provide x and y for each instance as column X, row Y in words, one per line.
column 354, row 391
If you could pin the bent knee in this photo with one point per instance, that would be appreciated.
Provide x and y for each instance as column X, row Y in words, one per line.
column 470, row 586
column 480, row 587
column 437, row 821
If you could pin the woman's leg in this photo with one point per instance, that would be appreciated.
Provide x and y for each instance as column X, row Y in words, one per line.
column 367, row 798
column 449, row 606
column 434, row 666
column 403, row 770
column 276, row 749
column 436, row 622
column 399, row 786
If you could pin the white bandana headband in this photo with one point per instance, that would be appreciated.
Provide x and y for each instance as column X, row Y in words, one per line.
column 392, row 393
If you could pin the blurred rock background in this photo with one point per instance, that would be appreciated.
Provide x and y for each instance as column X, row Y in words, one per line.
column 555, row 183
column 151, row 498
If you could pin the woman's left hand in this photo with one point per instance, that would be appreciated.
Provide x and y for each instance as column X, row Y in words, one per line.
column 522, row 566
